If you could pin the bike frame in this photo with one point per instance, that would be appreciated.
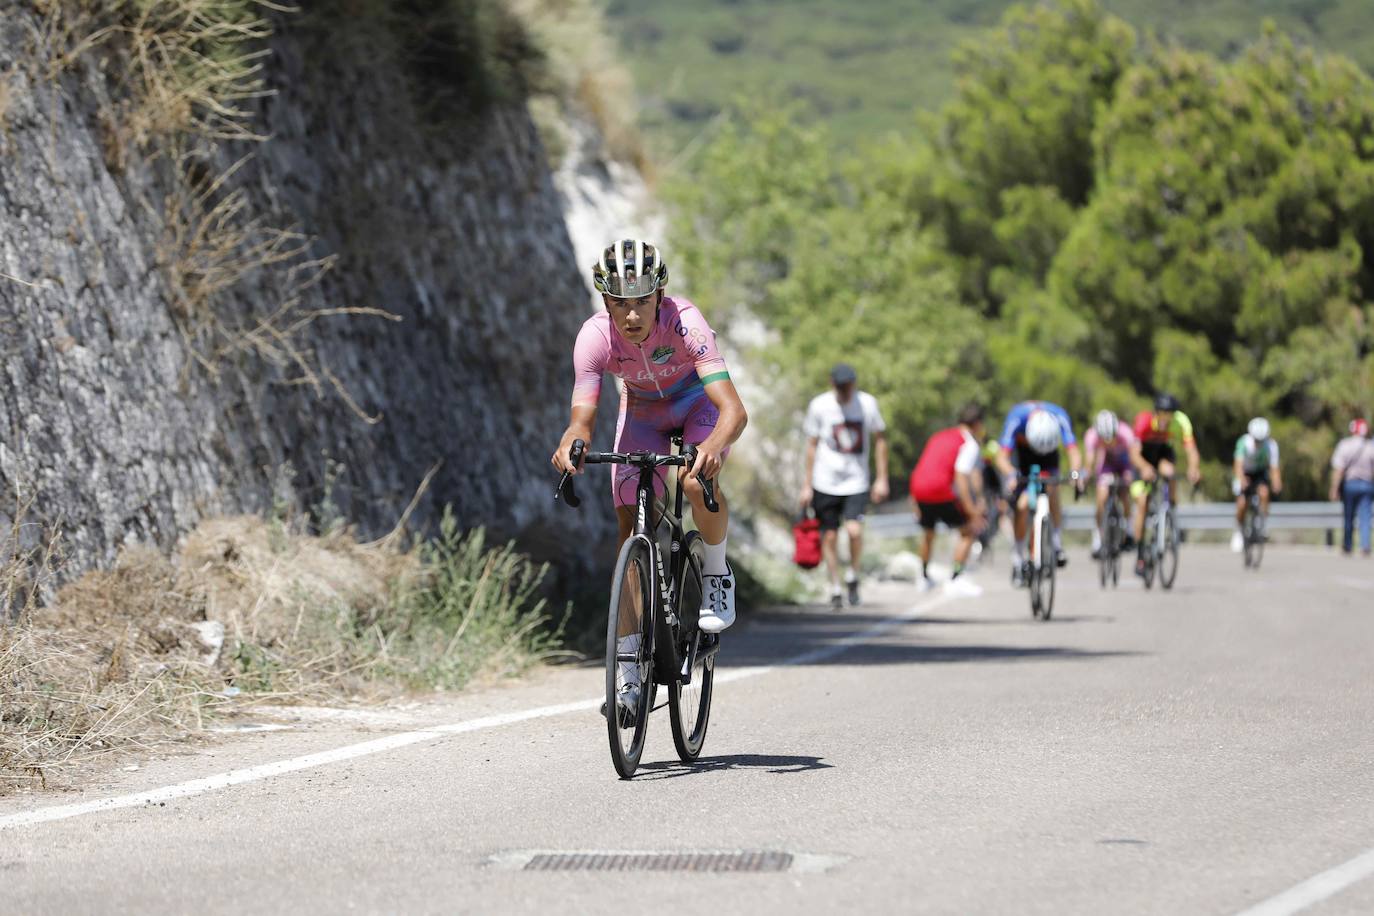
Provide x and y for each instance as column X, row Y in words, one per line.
column 665, row 583
column 1037, row 496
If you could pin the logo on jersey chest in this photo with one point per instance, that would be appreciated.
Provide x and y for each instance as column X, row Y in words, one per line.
column 662, row 355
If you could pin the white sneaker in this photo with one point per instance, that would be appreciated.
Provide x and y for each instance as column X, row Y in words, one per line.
column 963, row 587
column 718, row 604
column 1237, row 542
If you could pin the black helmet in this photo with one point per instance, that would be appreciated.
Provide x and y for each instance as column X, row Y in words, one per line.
column 1165, row 401
column 629, row 268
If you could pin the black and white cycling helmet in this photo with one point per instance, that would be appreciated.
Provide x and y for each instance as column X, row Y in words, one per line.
column 1105, row 424
column 1258, row 429
column 629, row 268
column 1165, row 401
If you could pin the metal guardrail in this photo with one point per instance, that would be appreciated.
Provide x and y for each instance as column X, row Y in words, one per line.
column 1191, row 516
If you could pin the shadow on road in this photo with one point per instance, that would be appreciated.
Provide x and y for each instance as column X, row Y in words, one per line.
column 1023, row 621
column 785, row 637
column 765, row 762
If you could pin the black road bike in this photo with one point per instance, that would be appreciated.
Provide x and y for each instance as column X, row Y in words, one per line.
column 658, row 603
column 1113, row 536
column 1252, row 529
column 1159, row 539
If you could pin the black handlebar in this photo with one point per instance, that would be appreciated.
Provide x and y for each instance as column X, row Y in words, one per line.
column 579, row 456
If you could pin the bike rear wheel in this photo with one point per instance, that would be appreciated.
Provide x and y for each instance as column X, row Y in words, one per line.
column 631, row 597
column 1048, row 564
column 1168, row 550
column 689, row 704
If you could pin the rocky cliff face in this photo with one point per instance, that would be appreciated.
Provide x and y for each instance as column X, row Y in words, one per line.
column 123, row 420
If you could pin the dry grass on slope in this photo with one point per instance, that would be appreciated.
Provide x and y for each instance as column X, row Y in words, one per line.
column 248, row 611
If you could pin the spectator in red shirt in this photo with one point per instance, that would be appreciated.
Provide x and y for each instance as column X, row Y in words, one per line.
column 945, row 488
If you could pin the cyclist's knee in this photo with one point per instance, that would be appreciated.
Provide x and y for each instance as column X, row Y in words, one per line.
column 625, row 519
column 692, row 487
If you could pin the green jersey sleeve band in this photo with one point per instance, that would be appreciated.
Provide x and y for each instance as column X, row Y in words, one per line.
column 716, row 377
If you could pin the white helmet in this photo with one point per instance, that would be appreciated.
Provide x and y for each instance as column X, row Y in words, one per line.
column 1042, row 432
column 1105, row 424
column 628, row 269
column 1258, row 429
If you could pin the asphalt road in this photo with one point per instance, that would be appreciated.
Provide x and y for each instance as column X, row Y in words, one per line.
column 1196, row 751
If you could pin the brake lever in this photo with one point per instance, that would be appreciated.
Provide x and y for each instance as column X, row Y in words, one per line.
column 565, row 486
column 708, row 487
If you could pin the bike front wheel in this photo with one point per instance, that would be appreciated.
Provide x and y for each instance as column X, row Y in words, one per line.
column 1254, row 541
column 1168, row 551
column 1049, row 562
column 1147, row 552
column 689, row 704
column 629, row 659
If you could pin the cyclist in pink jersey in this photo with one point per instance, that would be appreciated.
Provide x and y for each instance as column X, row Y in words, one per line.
column 1113, row 454
column 675, row 379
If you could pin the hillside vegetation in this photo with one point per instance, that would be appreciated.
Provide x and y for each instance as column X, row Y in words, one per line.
column 864, row 67
column 1091, row 217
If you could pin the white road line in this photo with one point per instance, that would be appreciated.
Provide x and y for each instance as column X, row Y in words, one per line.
column 1315, row 889
column 405, row 739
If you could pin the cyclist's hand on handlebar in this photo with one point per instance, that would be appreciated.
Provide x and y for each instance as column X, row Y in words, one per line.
column 561, row 457
column 1148, row 474
column 707, row 465
column 879, row 492
column 807, row 494
column 1194, row 476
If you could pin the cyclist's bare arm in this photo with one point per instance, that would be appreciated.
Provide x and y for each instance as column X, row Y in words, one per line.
column 811, row 443
column 1004, row 466
column 1238, row 466
column 1194, row 462
column 1142, row 467
column 729, row 427
column 1276, row 479
column 580, row 427
column 879, row 490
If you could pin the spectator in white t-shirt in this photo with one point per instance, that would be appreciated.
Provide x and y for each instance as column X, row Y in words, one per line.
column 841, row 427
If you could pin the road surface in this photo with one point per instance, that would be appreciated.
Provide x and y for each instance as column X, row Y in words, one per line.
column 1203, row 750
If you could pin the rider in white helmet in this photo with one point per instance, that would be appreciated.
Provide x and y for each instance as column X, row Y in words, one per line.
column 1034, row 431
column 1113, row 456
column 1257, row 471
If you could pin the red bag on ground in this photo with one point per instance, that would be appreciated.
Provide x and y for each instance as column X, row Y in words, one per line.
column 806, row 539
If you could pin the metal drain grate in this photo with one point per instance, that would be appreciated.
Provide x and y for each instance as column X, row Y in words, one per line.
column 661, row 861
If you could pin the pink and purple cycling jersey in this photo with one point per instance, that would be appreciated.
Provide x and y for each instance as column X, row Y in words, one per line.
column 665, row 384
column 1116, row 455
column 680, row 354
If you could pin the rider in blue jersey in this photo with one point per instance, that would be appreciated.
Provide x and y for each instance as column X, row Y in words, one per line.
column 1034, row 431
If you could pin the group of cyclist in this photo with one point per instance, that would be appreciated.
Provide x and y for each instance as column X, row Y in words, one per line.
column 676, row 383
column 1124, row 459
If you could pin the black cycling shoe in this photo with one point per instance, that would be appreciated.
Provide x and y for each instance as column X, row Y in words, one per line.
column 836, row 603
column 853, row 592
column 1128, row 544
column 1097, row 553
column 1061, row 559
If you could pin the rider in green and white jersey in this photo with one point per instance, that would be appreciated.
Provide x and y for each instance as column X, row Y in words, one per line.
column 1257, row 471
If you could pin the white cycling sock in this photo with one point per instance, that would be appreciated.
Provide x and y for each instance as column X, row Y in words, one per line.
column 1018, row 553
column 1097, row 539
column 714, row 559
column 629, row 671
column 1054, row 539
